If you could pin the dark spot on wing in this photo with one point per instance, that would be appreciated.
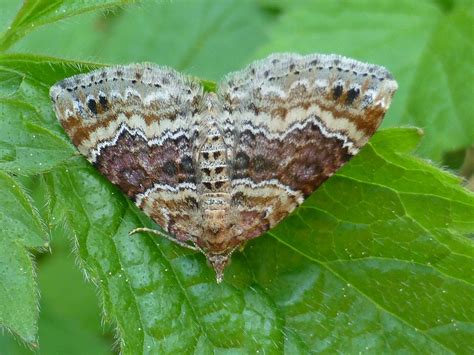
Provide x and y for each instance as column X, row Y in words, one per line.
column 192, row 202
column 352, row 94
column 241, row 161
column 337, row 91
column 187, row 165
column 262, row 164
column 92, row 105
column 103, row 102
column 170, row 168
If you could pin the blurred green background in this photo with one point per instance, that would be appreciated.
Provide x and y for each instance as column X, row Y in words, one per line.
column 428, row 45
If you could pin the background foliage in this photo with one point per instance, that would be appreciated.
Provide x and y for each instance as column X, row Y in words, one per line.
column 378, row 259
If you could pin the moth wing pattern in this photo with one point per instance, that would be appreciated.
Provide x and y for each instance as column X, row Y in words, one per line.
column 297, row 119
column 219, row 168
column 135, row 123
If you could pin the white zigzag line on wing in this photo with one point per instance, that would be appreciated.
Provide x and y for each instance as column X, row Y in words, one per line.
column 271, row 182
column 164, row 187
column 301, row 125
column 94, row 153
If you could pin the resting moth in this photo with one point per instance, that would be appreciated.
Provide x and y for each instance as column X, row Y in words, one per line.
column 216, row 169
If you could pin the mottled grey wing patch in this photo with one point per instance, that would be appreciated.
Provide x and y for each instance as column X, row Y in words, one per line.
column 296, row 120
column 135, row 123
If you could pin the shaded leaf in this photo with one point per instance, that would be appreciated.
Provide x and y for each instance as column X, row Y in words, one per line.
column 18, row 297
column 21, row 229
column 427, row 45
column 202, row 37
column 36, row 13
column 70, row 314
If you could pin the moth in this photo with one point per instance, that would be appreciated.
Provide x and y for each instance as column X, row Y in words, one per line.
column 216, row 169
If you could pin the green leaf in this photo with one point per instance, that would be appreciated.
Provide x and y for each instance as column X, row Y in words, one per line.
column 31, row 140
column 202, row 37
column 448, row 58
column 22, row 229
column 377, row 259
column 36, row 13
column 18, row 295
column 154, row 290
column 44, row 71
column 427, row 45
column 10, row 82
column 64, row 327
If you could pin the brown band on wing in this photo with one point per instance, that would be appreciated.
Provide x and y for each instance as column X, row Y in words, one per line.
column 302, row 160
column 80, row 130
column 259, row 207
column 135, row 166
column 182, row 216
column 366, row 120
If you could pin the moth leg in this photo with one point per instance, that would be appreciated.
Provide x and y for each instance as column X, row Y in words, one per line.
column 161, row 234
